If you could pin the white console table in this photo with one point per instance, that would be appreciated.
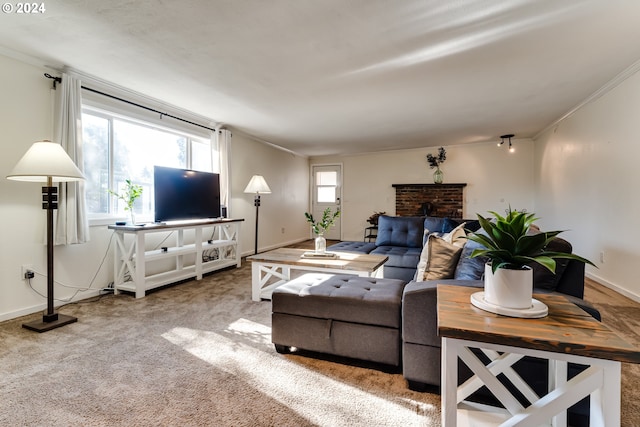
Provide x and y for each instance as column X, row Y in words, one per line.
column 131, row 255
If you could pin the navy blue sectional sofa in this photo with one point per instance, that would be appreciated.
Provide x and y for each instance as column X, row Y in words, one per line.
column 402, row 239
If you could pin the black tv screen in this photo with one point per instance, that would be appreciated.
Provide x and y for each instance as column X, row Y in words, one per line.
column 182, row 194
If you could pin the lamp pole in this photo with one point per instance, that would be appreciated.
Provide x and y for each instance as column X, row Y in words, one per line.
column 256, row 203
column 50, row 199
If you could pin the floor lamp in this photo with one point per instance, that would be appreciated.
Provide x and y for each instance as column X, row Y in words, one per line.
column 47, row 162
column 257, row 186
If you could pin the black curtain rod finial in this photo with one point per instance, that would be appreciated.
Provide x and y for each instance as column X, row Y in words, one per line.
column 55, row 79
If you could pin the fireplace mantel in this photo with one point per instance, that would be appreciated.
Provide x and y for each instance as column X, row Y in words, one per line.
column 430, row 185
column 444, row 200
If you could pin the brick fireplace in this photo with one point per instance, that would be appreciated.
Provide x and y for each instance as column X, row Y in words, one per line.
column 442, row 200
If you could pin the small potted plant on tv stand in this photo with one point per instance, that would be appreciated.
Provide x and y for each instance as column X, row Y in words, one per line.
column 130, row 195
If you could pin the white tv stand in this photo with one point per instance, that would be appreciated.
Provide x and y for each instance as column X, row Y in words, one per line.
column 131, row 259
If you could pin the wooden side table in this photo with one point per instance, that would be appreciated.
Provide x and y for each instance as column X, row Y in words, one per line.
column 567, row 335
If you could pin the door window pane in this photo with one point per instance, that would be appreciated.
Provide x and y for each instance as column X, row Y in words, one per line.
column 327, row 178
column 326, row 194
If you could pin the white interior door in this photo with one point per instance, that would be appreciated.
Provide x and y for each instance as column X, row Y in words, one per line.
column 326, row 182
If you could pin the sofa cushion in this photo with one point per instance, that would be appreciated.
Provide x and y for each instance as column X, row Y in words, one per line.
column 399, row 256
column 439, row 225
column 400, row 231
column 359, row 247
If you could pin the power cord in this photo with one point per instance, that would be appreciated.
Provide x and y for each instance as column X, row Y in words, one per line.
column 78, row 289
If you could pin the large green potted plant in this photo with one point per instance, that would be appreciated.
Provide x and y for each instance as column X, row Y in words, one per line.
column 319, row 227
column 510, row 247
column 131, row 193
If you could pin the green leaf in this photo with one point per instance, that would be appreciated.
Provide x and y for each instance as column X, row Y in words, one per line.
column 564, row 255
column 531, row 244
column 483, row 240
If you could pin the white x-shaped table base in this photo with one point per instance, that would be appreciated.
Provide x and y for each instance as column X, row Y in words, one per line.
column 600, row 381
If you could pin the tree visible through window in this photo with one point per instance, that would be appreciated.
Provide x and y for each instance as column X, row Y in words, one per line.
column 116, row 149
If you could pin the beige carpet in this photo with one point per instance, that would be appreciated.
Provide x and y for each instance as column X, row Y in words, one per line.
column 199, row 353
column 194, row 354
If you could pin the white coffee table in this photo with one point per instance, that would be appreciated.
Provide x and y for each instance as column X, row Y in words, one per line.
column 273, row 268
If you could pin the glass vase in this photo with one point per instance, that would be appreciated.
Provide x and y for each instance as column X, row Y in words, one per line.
column 133, row 217
column 321, row 244
column 438, row 176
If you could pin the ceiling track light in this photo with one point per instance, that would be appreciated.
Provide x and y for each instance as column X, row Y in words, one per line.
column 507, row 137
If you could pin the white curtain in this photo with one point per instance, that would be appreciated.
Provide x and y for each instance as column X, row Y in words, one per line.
column 224, row 149
column 72, row 225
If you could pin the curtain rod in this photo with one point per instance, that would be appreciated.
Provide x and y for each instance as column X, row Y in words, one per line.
column 59, row 80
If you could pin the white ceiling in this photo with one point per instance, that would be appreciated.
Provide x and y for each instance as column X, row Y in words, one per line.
column 342, row 76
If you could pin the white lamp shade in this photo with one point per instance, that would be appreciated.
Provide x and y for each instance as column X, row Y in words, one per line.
column 43, row 160
column 257, row 185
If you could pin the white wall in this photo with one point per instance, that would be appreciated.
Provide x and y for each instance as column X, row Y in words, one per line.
column 281, row 213
column 26, row 116
column 495, row 178
column 588, row 173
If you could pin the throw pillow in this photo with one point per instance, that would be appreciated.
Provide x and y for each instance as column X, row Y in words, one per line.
column 442, row 258
column 422, row 262
column 470, row 268
column 457, row 237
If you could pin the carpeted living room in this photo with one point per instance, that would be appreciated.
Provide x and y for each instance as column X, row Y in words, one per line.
column 200, row 353
column 167, row 167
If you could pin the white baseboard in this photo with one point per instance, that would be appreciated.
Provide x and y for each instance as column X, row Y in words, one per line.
column 42, row 307
column 614, row 287
column 279, row 245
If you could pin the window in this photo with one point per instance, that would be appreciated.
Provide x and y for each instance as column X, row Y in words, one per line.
column 117, row 148
column 326, row 183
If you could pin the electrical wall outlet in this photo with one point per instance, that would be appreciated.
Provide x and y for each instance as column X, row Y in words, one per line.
column 282, row 230
column 602, row 257
column 23, row 271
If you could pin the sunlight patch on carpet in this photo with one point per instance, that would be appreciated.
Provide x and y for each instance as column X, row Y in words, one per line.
column 256, row 332
column 313, row 395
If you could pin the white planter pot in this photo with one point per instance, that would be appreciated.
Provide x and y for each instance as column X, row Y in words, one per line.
column 508, row 288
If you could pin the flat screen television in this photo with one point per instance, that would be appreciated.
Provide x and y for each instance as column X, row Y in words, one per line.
column 182, row 194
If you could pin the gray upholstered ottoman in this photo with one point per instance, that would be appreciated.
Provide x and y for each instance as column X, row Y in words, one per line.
column 343, row 315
